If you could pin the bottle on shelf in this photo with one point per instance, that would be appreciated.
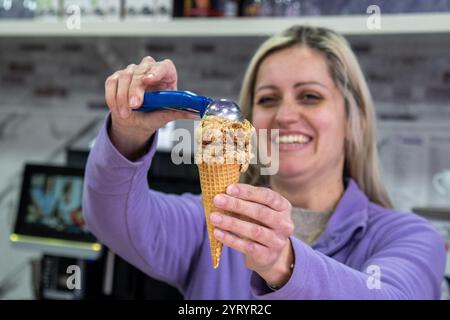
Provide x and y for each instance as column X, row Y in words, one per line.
column 271, row 8
column 293, row 8
column 92, row 10
column 251, row 8
column 11, row 9
column 229, row 7
column 201, row 8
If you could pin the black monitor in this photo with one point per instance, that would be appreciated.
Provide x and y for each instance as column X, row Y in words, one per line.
column 50, row 216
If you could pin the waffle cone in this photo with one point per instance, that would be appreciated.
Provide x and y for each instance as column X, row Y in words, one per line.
column 214, row 179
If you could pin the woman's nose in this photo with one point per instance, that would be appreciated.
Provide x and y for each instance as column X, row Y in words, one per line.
column 286, row 113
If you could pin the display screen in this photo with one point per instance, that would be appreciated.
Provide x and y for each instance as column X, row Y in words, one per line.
column 51, row 204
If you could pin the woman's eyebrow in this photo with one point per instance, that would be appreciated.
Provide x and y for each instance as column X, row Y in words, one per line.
column 265, row 87
column 299, row 84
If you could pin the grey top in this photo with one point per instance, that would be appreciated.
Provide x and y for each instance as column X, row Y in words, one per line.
column 309, row 225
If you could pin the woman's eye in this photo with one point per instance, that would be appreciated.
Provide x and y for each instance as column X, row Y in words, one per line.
column 311, row 98
column 266, row 100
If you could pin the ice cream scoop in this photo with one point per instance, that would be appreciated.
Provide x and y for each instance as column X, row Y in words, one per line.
column 191, row 102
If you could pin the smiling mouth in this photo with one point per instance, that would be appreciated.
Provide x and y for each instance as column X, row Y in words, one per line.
column 293, row 139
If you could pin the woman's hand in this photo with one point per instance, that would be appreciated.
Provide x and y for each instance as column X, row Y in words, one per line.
column 124, row 90
column 263, row 233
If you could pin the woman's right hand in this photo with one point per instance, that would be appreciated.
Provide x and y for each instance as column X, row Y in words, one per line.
column 124, row 90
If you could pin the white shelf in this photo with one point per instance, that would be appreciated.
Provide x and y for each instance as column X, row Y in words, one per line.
column 348, row 25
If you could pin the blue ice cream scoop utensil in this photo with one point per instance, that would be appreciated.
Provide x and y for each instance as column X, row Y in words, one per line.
column 175, row 100
column 190, row 102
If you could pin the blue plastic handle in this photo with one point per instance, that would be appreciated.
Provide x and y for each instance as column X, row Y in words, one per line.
column 177, row 100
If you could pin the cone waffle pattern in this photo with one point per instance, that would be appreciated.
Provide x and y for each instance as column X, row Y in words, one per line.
column 214, row 179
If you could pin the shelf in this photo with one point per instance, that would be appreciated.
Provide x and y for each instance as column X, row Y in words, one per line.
column 348, row 25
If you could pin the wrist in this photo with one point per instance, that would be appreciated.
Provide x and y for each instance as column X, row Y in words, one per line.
column 275, row 287
column 282, row 270
column 131, row 143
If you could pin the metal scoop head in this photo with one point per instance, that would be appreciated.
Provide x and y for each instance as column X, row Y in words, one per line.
column 224, row 108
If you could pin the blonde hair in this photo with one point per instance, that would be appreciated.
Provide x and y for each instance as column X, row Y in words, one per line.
column 361, row 155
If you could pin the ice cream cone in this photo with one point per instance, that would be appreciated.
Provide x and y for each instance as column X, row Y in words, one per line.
column 223, row 152
column 214, row 179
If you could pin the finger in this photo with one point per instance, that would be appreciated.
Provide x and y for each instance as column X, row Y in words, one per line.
column 246, row 230
column 261, row 195
column 125, row 77
column 137, row 87
column 255, row 211
column 111, row 91
column 163, row 71
column 245, row 246
column 145, row 65
column 136, row 91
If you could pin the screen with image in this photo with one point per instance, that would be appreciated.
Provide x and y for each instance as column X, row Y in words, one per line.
column 50, row 205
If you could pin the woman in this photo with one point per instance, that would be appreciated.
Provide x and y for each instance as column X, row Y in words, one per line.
column 324, row 227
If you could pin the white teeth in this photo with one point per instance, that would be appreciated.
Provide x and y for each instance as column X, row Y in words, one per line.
column 291, row 138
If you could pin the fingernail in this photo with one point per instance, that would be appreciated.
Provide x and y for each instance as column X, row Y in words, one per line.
column 134, row 102
column 220, row 200
column 233, row 190
column 150, row 76
column 215, row 218
column 218, row 233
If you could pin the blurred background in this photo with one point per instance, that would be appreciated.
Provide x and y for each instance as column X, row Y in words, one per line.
column 56, row 54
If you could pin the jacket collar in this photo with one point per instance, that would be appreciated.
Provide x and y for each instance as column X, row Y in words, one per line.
column 348, row 221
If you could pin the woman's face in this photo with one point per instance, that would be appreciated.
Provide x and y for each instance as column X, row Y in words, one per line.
column 295, row 94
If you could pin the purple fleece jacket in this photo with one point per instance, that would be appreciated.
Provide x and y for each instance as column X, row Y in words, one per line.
column 366, row 251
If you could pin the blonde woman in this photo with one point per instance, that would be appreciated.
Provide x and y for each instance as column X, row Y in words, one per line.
column 325, row 227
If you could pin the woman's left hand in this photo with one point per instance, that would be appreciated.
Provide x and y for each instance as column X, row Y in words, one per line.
column 263, row 237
